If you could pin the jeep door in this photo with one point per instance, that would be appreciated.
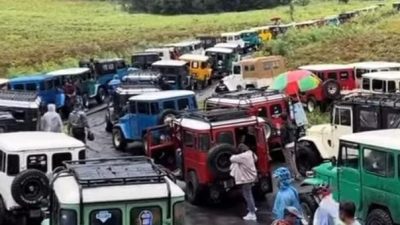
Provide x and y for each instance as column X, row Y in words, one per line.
column 349, row 167
column 146, row 116
column 195, row 148
column 342, row 124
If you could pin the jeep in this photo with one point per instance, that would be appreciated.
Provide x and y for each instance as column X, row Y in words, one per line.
column 105, row 69
column 48, row 88
column 365, row 173
column 19, row 111
column 143, row 60
column 255, row 72
column 188, row 47
column 147, row 110
column 361, row 68
column 129, row 190
column 209, row 41
column 251, row 40
column 222, row 60
column 354, row 113
column 263, row 32
column 200, row 69
column 381, row 82
column 26, row 161
column 234, row 38
column 174, row 74
column 203, row 142
column 120, row 98
column 268, row 105
column 164, row 53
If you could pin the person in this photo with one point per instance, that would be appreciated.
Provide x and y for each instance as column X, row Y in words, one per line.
column 243, row 170
column 249, row 138
column 347, row 211
column 114, row 83
column 78, row 122
column 291, row 216
column 51, row 120
column 288, row 135
column 328, row 211
column 287, row 194
column 221, row 87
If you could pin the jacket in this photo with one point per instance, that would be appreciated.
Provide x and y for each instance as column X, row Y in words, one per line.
column 243, row 167
column 51, row 120
column 77, row 119
column 288, row 132
column 327, row 212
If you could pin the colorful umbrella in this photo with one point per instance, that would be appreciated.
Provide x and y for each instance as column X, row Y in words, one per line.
column 296, row 81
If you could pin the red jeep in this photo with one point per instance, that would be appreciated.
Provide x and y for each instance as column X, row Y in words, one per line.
column 205, row 141
column 267, row 104
column 335, row 78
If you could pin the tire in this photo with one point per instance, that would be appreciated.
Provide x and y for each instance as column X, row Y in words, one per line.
column 30, row 187
column 311, row 104
column 331, row 89
column 3, row 213
column 109, row 125
column 379, row 217
column 309, row 206
column 193, row 191
column 101, row 95
column 218, row 160
column 306, row 158
column 167, row 114
column 119, row 140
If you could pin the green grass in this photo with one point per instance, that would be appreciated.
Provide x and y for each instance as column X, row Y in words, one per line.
column 39, row 35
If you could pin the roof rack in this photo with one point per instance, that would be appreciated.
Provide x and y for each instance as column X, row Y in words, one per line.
column 390, row 100
column 116, row 171
column 217, row 115
column 22, row 96
column 129, row 86
column 247, row 94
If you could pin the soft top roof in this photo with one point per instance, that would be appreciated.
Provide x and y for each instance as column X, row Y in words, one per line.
column 29, row 78
column 230, row 34
column 375, row 65
column 220, row 50
column 19, row 99
column 388, row 139
column 162, row 95
column 69, row 71
column 170, row 63
column 189, row 57
column 322, row 67
column 227, row 45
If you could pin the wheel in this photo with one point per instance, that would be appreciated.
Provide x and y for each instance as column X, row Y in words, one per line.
column 101, row 95
column 167, row 115
column 309, row 206
column 306, row 158
column 219, row 159
column 311, row 104
column 119, row 140
column 3, row 213
column 379, row 217
column 109, row 125
column 30, row 187
column 193, row 192
column 331, row 89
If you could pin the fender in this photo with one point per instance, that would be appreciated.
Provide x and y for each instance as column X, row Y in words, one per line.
column 321, row 148
column 123, row 125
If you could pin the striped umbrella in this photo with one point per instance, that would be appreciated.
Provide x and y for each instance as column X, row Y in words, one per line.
column 293, row 82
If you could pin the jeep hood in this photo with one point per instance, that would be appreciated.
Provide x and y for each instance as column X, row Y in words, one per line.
column 323, row 174
column 320, row 129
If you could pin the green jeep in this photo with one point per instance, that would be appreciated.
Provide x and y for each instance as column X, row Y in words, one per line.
column 367, row 173
column 114, row 191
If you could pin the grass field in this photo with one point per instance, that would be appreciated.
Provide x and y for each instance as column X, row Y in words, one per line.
column 41, row 35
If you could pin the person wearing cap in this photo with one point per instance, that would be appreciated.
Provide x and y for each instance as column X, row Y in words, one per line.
column 287, row 195
column 243, row 170
column 328, row 211
column 291, row 217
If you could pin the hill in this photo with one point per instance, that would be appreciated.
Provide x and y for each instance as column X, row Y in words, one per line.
column 41, row 35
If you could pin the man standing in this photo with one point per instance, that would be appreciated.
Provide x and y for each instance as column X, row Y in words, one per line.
column 347, row 211
column 328, row 211
column 243, row 170
column 287, row 195
column 291, row 216
column 51, row 120
column 78, row 123
column 288, row 134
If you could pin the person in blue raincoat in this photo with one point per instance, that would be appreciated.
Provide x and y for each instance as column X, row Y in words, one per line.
column 114, row 83
column 287, row 195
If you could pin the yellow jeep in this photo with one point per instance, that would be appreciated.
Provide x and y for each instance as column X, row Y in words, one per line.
column 200, row 69
column 263, row 32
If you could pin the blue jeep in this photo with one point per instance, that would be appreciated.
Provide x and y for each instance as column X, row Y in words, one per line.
column 105, row 69
column 49, row 89
column 149, row 110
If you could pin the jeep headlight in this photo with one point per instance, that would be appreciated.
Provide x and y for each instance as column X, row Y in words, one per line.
column 179, row 213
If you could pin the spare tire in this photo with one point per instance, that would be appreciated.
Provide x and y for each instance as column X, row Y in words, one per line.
column 219, row 159
column 331, row 89
column 30, row 187
column 166, row 114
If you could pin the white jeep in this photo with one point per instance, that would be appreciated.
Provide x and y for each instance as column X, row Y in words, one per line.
column 115, row 191
column 354, row 113
column 26, row 160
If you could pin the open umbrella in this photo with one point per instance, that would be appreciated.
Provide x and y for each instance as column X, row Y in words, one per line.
column 293, row 82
